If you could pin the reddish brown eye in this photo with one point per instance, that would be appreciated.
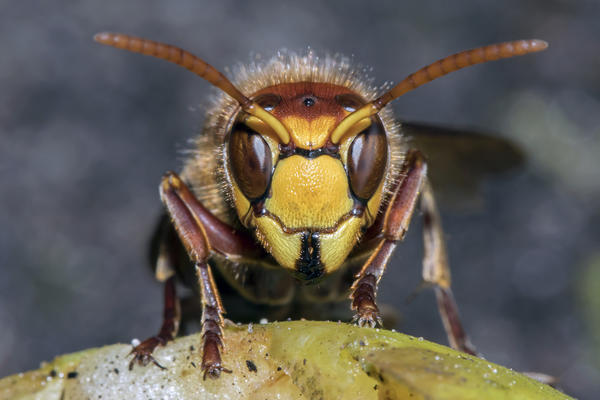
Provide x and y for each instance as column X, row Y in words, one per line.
column 250, row 160
column 367, row 160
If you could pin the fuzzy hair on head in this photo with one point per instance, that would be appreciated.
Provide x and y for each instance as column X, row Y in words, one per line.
column 205, row 169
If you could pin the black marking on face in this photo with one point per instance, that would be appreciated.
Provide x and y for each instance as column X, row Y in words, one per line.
column 332, row 151
column 309, row 266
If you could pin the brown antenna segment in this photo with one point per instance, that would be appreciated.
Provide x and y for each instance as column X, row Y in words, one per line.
column 438, row 69
column 198, row 66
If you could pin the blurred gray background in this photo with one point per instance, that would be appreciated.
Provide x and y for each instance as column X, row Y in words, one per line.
column 86, row 132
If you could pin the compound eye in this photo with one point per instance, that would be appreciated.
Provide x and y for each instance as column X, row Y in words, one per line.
column 367, row 160
column 250, row 160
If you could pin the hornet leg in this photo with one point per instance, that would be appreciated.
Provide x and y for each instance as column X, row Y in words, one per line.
column 165, row 272
column 395, row 224
column 436, row 272
column 171, row 317
column 201, row 233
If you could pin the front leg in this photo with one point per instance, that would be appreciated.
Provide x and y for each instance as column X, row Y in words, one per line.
column 395, row 224
column 200, row 232
column 436, row 271
column 212, row 323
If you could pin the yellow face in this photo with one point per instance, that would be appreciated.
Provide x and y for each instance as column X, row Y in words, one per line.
column 309, row 201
